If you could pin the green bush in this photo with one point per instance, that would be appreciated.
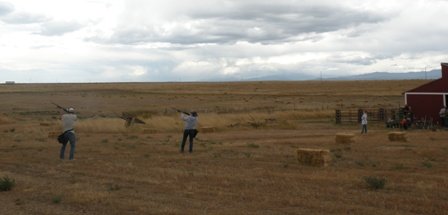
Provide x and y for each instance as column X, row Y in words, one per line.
column 375, row 183
column 56, row 199
column 253, row 145
column 6, row 183
column 427, row 164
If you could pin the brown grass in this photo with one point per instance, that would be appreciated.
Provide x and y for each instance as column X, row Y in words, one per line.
column 247, row 166
column 397, row 136
column 101, row 125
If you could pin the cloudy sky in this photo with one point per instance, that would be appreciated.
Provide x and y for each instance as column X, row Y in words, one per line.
column 193, row 40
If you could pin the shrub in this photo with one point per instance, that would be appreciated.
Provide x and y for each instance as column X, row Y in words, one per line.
column 114, row 187
column 399, row 167
column 56, row 199
column 6, row 183
column 375, row 183
column 253, row 145
column 427, row 164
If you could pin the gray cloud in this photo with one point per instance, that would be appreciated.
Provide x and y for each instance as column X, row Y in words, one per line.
column 222, row 39
column 24, row 18
column 256, row 23
column 290, row 19
column 5, row 8
column 56, row 28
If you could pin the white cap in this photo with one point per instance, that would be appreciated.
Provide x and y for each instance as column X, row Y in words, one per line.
column 71, row 110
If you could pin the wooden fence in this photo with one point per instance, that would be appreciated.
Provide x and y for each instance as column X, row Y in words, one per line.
column 391, row 117
column 373, row 115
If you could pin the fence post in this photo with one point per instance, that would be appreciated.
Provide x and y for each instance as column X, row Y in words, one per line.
column 338, row 116
column 393, row 115
column 359, row 115
column 381, row 114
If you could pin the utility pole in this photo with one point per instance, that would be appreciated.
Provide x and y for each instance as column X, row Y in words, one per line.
column 425, row 72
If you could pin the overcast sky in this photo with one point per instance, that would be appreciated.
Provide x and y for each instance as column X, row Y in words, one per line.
column 192, row 40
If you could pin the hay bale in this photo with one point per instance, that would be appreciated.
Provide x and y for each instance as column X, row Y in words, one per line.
column 397, row 136
column 5, row 119
column 345, row 138
column 313, row 157
column 207, row 129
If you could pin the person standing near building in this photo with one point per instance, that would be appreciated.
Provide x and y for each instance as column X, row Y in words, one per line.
column 364, row 122
column 190, row 119
column 442, row 115
column 68, row 123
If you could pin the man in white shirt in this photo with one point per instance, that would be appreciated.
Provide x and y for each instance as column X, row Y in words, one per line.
column 190, row 131
column 442, row 114
column 68, row 122
column 364, row 122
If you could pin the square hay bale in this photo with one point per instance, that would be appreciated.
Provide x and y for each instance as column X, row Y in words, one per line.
column 207, row 129
column 313, row 157
column 345, row 138
column 397, row 136
column 5, row 119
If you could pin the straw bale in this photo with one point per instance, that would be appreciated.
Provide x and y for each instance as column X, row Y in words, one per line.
column 313, row 157
column 397, row 136
column 207, row 129
column 5, row 119
column 345, row 138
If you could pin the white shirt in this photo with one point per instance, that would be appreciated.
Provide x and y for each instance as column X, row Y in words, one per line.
column 364, row 119
column 68, row 121
column 190, row 121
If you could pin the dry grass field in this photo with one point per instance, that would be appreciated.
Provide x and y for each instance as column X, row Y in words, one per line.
column 244, row 159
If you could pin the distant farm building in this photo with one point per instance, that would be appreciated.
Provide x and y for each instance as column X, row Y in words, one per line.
column 427, row 100
column 10, row 82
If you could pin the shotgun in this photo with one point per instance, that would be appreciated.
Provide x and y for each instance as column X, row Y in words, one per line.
column 60, row 107
column 186, row 113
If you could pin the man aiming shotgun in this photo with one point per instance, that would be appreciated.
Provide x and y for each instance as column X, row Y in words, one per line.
column 68, row 135
column 190, row 130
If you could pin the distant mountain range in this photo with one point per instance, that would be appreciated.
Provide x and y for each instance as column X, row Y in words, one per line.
column 433, row 74
column 283, row 77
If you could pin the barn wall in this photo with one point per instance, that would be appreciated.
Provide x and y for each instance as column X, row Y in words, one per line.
column 445, row 71
column 425, row 105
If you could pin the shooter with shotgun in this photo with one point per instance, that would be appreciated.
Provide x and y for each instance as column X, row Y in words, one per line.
column 68, row 135
column 190, row 131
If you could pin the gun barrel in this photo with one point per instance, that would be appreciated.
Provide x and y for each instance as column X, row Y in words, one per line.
column 60, row 107
column 180, row 111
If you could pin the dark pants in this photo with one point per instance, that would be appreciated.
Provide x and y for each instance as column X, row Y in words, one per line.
column 72, row 139
column 187, row 133
column 364, row 129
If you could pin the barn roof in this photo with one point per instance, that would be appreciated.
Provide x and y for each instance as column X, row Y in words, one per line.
column 436, row 86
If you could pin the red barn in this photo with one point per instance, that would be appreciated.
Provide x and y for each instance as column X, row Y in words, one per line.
column 428, row 99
